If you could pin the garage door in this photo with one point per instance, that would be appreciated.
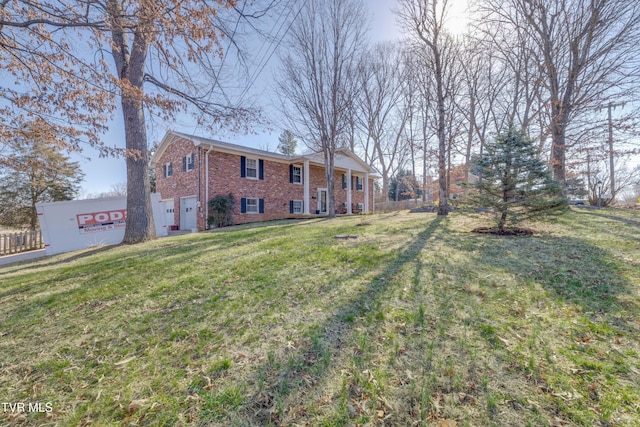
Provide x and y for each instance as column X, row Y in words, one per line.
column 188, row 219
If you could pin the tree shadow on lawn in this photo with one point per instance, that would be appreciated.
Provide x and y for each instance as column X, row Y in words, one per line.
column 608, row 215
column 576, row 271
column 291, row 377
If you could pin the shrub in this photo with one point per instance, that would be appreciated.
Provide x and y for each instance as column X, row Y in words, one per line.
column 221, row 210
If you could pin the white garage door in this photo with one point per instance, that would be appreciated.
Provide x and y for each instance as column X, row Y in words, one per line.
column 188, row 219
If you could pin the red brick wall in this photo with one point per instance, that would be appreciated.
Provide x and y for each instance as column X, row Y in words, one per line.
column 180, row 184
column 275, row 189
column 224, row 177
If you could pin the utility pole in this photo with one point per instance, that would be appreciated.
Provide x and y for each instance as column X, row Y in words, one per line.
column 611, row 172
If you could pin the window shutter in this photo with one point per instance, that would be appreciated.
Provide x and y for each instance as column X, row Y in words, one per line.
column 290, row 206
column 291, row 175
column 261, row 205
column 184, row 164
column 261, row 169
column 243, row 205
column 164, row 170
column 352, row 179
column 243, row 168
column 344, row 181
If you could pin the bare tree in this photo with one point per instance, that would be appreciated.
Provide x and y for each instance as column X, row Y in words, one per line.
column 149, row 55
column 424, row 23
column 382, row 109
column 586, row 50
column 317, row 81
column 491, row 96
column 43, row 83
column 118, row 189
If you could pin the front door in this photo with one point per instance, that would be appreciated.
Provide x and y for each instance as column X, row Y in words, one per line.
column 168, row 212
column 322, row 200
column 188, row 219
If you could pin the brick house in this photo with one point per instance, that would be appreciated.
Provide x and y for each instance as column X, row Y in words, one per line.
column 191, row 170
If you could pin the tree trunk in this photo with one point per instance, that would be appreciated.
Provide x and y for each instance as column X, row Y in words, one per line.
column 329, row 171
column 503, row 220
column 443, row 205
column 385, row 187
column 34, row 218
column 139, row 226
column 558, row 150
column 426, row 191
column 130, row 62
column 472, row 125
column 34, row 212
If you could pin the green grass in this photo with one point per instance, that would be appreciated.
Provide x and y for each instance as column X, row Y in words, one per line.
column 416, row 321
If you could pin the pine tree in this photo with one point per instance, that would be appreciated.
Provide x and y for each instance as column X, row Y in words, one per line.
column 288, row 143
column 515, row 184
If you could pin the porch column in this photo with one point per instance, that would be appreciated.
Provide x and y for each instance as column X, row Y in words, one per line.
column 305, row 181
column 349, row 212
column 366, row 192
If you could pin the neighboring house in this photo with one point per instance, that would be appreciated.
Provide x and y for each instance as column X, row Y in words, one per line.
column 456, row 177
column 191, row 170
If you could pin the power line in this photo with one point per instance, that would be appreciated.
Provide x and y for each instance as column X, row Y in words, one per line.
column 255, row 76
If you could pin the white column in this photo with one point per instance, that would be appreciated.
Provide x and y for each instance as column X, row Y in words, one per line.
column 366, row 192
column 349, row 212
column 305, row 181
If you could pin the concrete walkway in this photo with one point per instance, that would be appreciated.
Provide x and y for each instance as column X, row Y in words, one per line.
column 23, row 256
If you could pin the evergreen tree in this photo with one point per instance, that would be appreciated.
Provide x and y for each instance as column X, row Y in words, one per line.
column 35, row 172
column 288, row 143
column 515, row 183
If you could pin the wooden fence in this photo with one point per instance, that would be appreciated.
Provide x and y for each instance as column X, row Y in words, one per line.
column 22, row 241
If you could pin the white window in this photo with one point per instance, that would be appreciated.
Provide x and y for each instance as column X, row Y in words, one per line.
column 168, row 170
column 252, row 204
column 358, row 183
column 360, row 207
column 297, row 206
column 190, row 162
column 296, row 174
column 251, row 169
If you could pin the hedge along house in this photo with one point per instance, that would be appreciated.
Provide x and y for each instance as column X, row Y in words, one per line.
column 191, row 170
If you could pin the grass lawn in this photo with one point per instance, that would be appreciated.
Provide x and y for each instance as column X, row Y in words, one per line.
column 415, row 322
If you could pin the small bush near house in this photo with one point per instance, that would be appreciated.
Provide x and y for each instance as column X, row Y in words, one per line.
column 220, row 210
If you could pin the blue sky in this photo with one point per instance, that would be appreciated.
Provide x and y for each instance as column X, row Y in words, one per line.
column 102, row 173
